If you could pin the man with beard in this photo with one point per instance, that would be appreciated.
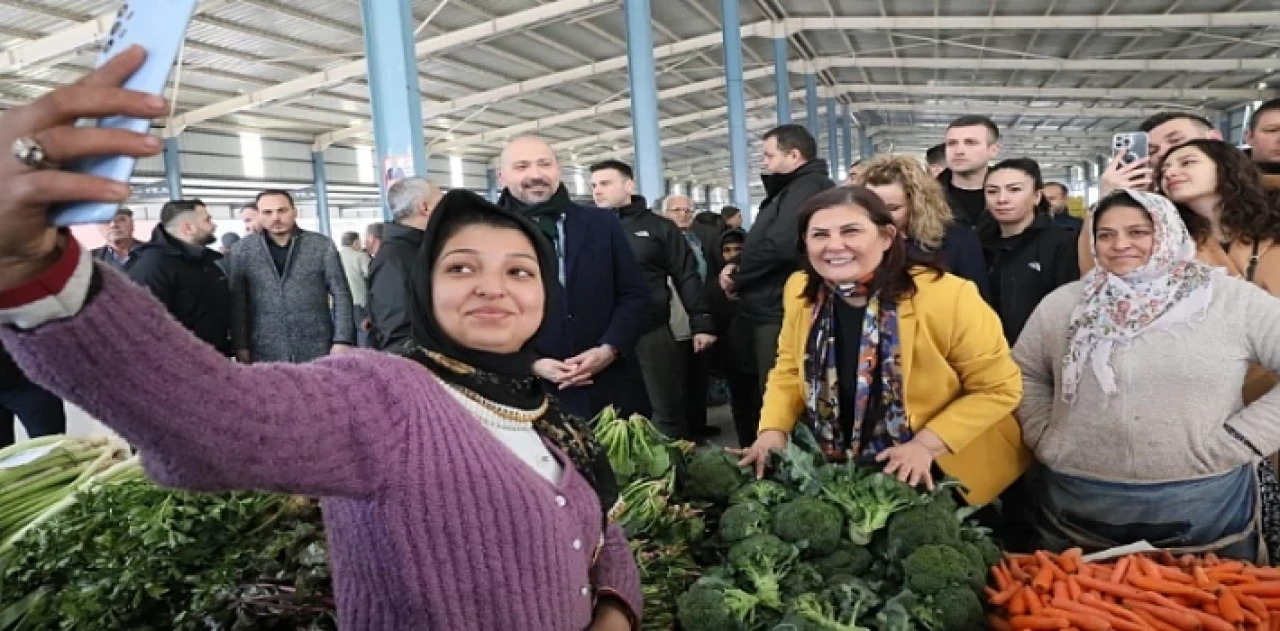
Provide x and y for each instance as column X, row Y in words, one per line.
column 185, row 275
column 666, row 260
column 587, row 343
column 121, row 247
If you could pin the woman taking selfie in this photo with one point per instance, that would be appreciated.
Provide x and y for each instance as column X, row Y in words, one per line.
column 1131, row 393
column 922, row 216
column 1027, row 255
column 887, row 360
column 456, row 494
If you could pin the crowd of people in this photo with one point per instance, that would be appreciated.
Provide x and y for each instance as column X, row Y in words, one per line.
column 1091, row 381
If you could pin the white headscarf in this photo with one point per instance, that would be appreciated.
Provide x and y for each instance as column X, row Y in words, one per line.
column 1170, row 288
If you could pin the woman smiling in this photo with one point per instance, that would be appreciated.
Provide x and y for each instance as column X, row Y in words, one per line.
column 889, row 360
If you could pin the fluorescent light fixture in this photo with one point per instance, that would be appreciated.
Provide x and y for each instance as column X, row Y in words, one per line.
column 364, row 165
column 251, row 155
column 456, row 176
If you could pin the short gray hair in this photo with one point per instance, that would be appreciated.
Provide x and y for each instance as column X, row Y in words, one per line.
column 406, row 195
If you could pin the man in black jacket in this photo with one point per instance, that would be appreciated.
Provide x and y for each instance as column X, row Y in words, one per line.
column 185, row 275
column 664, row 255
column 411, row 200
column 40, row 411
column 771, row 253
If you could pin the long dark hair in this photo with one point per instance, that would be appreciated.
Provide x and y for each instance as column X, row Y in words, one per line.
column 1249, row 210
column 1032, row 169
column 893, row 278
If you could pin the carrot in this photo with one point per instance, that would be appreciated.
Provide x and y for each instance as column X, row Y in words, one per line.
column 1212, row 559
column 1154, row 622
column 1082, row 621
column 1272, row 604
column 998, row 623
column 1073, row 588
column 1002, row 598
column 1018, row 574
column 1070, row 560
column 1174, row 574
column 1171, row 589
column 1207, row 621
column 1114, row 589
column 1180, row 618
column 1201, row 578
column 1001, row 578
column 1122, row 568
column 1166, row 558
column 1034, row 606
column 1036, row 623
column 1229, row 566
column 1148, row 567
column 1044, row 579
column 1117, row 621
column 1233, row 579
column 1265, row 573
column 1115, row 610
column 1045, row 560
column 1230, row 606
column 1265, row 590
column 1060, row 590
column 1254, row 604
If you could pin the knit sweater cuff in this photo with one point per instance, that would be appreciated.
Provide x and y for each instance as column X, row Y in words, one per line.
column 56, row 294
column 607, row 594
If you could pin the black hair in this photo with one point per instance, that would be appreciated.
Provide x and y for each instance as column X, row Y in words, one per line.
column 1065, row 190
column 937, row 154
column 1164, row 117
column 616, row 165
column 729, row 212
column 1267, row 106
column 975, row 120
column 1032, row 169
column 1249, row 210
column 794, row 137
column 274, row 191
column 732, row 235
column 478, row 216
column 174, row 209
column 893, row 279
column 374, row 230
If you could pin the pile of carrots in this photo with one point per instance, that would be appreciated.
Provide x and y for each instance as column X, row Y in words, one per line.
column 1140, row 592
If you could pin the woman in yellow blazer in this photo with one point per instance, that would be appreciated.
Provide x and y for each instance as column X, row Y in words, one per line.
column 889, row 359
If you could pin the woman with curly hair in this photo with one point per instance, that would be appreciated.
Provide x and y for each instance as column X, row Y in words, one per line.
column 921, row 214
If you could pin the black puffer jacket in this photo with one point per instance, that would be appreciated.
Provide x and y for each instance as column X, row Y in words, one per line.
column 192, row 284
column 1023, row 269
column 772, row 251
column 389, row 284
column 662, row 252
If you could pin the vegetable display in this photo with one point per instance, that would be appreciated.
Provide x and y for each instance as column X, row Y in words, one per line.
column 813, row 547
column 1138, row 592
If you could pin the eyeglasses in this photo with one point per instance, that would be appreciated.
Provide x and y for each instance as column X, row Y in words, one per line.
column 680, row 210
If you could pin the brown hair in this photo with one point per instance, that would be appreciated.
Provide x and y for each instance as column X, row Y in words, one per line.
column 1249, row 210
column 927, row 210
column 893, row 278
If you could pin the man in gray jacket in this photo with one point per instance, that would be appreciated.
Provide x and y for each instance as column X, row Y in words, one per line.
column 289, row 296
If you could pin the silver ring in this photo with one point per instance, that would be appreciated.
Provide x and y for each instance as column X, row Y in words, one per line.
column 30, row 153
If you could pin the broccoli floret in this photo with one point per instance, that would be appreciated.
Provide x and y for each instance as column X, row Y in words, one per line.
column 908, row 612
column 713, row 604
column 846, row 559
column 869, row 501
column 991, row 553
column 764, row 560
column 809, row 523
column 744, row 520
column 766, row 492
column 958, row 609
column 823, row 615
column 802, row 578
column 932, row 568
column 920, row 526
column 971, row 552
column 712, row 475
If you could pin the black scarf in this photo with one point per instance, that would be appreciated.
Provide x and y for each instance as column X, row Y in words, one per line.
column 545, row 214
column 504, row 379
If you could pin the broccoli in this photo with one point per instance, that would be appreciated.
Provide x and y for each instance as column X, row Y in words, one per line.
column 766, row 492
column 908, row 612
column 991, row 553
column 958, row 609
column 764, row 561
column 974, row 555
column 744, row 520
column 802, row 578
column 712, row 475
column 818, row 614
column 919, row 526
column 713, row 604
column 932, row 568
column 847, row 559
column 869, row 501
column 810, row 523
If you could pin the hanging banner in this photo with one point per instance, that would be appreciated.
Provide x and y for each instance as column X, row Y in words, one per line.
column 396, row 168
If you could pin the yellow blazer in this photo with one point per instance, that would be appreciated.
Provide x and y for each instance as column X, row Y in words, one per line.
column 959, row 379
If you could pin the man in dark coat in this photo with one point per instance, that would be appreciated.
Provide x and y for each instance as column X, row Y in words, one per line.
column 411, row 200
column 770, row 254
column 185, row 275
column 121, row 248
column 289, row 296
column 664, row 257
column 41, row 412
column 588, row 343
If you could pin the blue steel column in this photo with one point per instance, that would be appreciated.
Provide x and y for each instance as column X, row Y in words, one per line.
column 811, row 102
column 393, row 87
column 732, row 20
column 491, row 181
column 867, row 143
column 322, row 192
column 644, row 98
column 173, row 168
column 833, row 152
column 782, row 80
column 846, row 136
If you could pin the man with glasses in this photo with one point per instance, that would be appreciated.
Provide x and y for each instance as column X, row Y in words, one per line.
column 679, row 209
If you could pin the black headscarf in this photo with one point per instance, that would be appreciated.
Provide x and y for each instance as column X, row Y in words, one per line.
column 544, row 214
column 506, row 379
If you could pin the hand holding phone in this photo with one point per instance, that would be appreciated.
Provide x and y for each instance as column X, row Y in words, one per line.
column 159, row 27
column 1129, row 166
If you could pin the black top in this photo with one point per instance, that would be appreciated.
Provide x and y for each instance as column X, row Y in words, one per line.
column 389, row 274
column 848, row 347
column 1025, row 268
column 192, row 284
column 279, row 253
column 969, row 204
column 663, row 253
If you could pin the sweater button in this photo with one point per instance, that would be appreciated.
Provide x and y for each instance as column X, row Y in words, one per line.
column 577, row 544
column 560, row 501
column 585, row 592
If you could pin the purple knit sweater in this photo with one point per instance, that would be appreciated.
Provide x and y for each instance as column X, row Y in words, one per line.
column 432, row 523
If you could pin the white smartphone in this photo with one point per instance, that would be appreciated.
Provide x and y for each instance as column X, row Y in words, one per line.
column 1131, row 146
column 159, row 26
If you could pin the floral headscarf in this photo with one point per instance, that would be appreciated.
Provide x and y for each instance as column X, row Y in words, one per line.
column 1170, row 288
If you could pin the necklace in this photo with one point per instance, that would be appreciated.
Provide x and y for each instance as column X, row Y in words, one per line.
column 504, row 413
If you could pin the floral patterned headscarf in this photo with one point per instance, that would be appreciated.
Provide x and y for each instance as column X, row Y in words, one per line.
column 1170, row 288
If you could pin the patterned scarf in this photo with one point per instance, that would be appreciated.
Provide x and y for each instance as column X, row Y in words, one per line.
column 1170, row 288
column 879, row 347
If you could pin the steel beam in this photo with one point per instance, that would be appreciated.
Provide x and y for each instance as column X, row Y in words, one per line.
column 833, row 149
column 730, row 18
column 173, row 168
column 644, row 97
column 321, row 178
column 393, row 88
column 781, row 80
column 846, row 137
column 811, row 102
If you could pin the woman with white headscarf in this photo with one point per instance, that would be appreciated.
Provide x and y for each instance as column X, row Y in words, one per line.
column 1131, row 393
